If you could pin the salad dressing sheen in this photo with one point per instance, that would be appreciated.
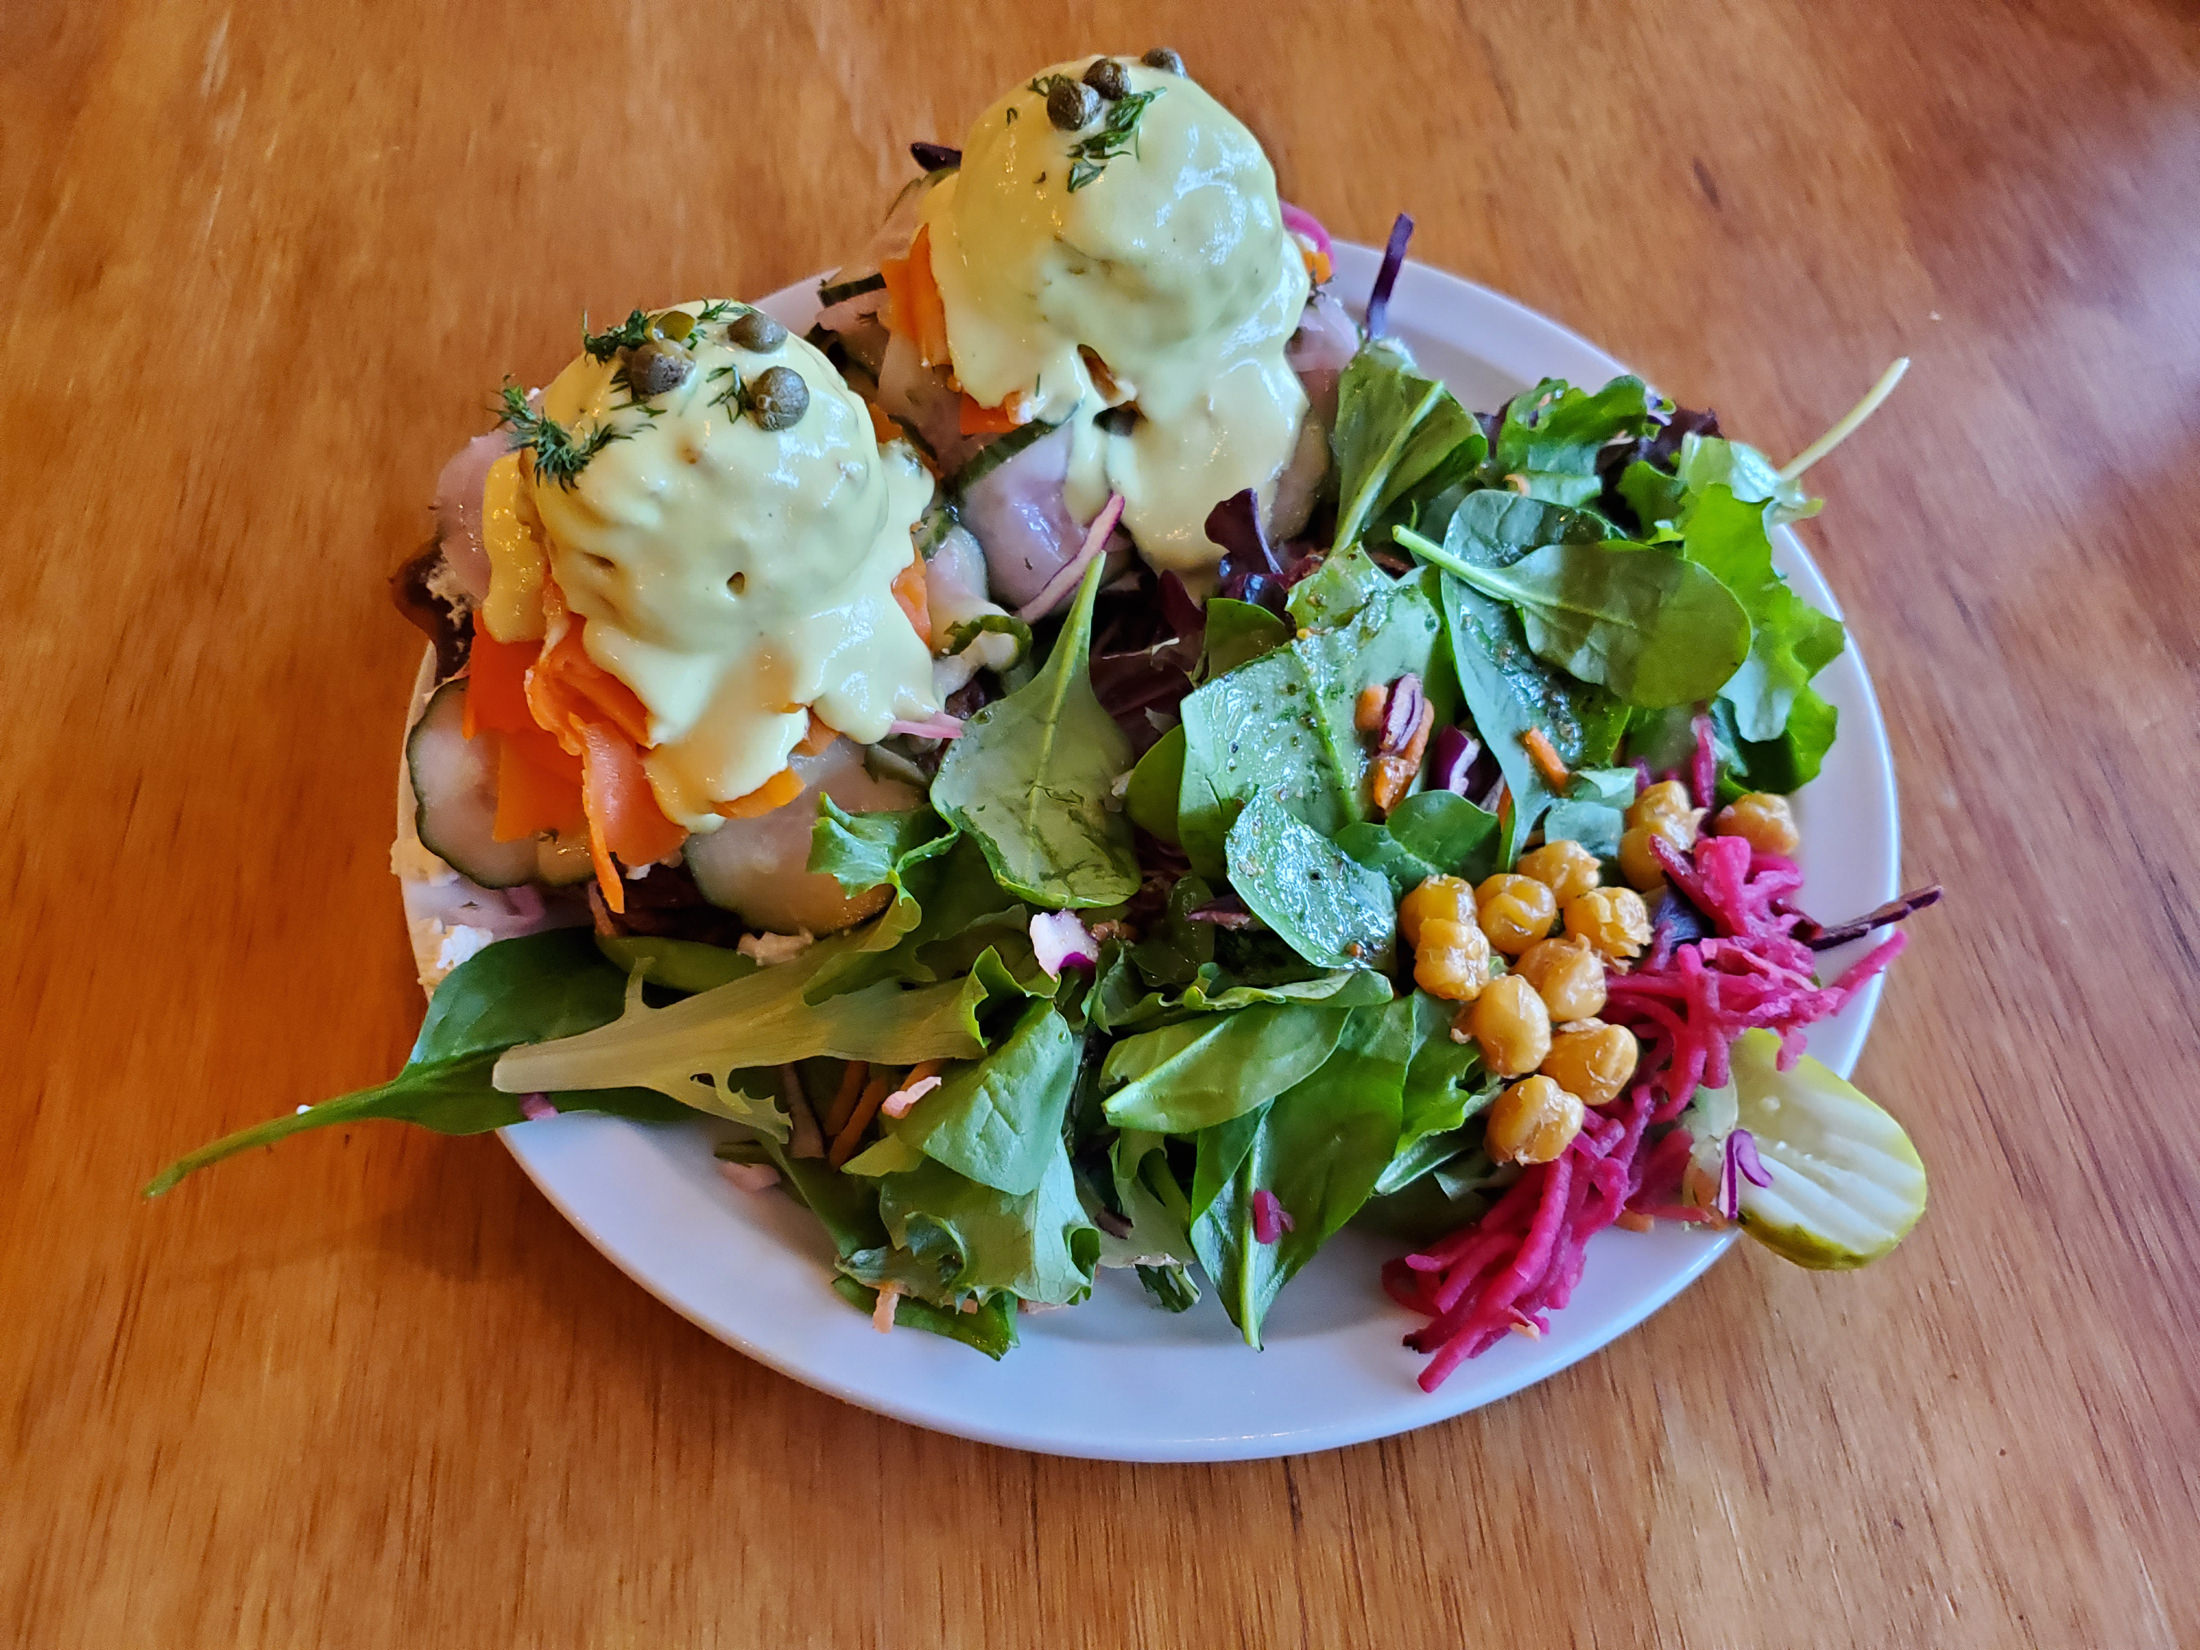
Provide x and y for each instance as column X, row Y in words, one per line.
column 1172, row 266
column 734, row 577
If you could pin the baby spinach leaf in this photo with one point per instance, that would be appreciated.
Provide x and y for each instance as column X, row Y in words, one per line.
column 1790, row 641
column 1318, row 1149
column 1785, row 764
column 862, row 851
column 1429, row 833
column 1445, row 1082
column 998, row 1120
column 990, row 1329
column 1647, row 624
column 1397, row 434
column 1593, row 812
column 541, row 985
column 1207, row 1070
column 1550, row 436
column 1030, row 775
column 1283, row 724
column 1155, row 784
column 1213, row 992
column 1237, row 633
column 1507, row 689
column 1330, row 909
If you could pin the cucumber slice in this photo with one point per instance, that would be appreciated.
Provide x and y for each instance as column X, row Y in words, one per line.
column 1846, row 1184
column 995, row 453
column 454, row 783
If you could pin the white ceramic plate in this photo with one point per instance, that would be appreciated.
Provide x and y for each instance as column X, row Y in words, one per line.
column 1116, row 1377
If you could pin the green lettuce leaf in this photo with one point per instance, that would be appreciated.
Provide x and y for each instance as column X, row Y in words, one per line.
column 1030, row 775
column 1790, row 641
column 1398, row 436
column 542, row 985
column 998, row 1121
column 954, row 1238
column 989, row 1328
column 1550, row 436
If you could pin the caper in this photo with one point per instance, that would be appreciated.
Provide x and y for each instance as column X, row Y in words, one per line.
column 674, row 324
column 653, row 369
column 1164, row 59
column 778, row 398
column 753, row 329
column 1072, row 105
column 1109, row 78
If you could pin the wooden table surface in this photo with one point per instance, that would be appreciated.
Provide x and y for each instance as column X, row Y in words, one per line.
column 263, row 268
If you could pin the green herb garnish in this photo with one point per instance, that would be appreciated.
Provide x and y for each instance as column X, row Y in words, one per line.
column 734, row 396
column 629, row 334
column 1119, row 132
column 716, row 310
column 560, row 454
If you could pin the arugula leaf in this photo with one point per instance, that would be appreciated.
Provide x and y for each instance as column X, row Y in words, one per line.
column 999, row 1120
column 1397, row 434
column 1329, row 908
column 1030, row 775
column 1507, row 689
column 1283, row 723
column 960, row 1238
column 1319, row 1149
column 1430, row 833
column 1550, row 436
column 1790, row 641
column 542, row 985
column 990, row 1329
column 691, row 1050
column 1649, row 625
column 1207, row 1070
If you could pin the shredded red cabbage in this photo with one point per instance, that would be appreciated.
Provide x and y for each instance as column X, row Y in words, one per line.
column 1301, row 222
column 935, row 157
column 1394, row 259
column 1451, row 759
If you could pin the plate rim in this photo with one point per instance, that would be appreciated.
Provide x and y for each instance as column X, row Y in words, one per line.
column 558, row 1154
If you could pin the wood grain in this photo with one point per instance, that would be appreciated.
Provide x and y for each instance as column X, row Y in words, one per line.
column 264, row 266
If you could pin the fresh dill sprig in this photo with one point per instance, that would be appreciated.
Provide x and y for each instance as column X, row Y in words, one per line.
column 716, row 310
column 559, row 455
column 632, row 333
column 1117, row 134
column 734, row 397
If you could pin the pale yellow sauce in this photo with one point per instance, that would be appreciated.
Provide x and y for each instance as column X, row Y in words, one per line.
column 735, row 578
column 1172, row 266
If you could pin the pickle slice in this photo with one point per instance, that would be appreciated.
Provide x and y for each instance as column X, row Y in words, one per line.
column 1845, row 1186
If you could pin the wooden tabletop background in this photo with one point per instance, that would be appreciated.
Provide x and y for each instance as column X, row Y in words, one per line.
column 262, row 268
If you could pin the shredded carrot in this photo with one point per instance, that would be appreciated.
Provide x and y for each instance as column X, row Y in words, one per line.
column 915, row 598
column 1316, row 261
column 1546, row 758
column 776, row 792
column 979, row 420
column 844, row 1143
column 882, row 426
column 1103, row 380
column 844, row 1099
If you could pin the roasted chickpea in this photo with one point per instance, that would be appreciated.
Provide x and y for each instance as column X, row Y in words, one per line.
column 1516, row 911
column 1638, row 861
column 1566, row 974
column 1565, row 867
column 1511, row 1025
column 1614, row 921
column 1452, row 960
column 1592, row 1060
column 1667, row 799
column 1764, row 821
column 1532, row 1122
column 1450, row 898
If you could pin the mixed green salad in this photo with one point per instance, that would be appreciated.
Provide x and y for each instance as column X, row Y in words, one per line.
column 1432, row 872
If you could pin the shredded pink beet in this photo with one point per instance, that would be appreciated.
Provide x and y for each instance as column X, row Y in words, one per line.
column 1705, row 776
column 942, row 726
column 535, row 1107
column 1304, row 224
column 1270, row 1218
column 1686, row 1004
